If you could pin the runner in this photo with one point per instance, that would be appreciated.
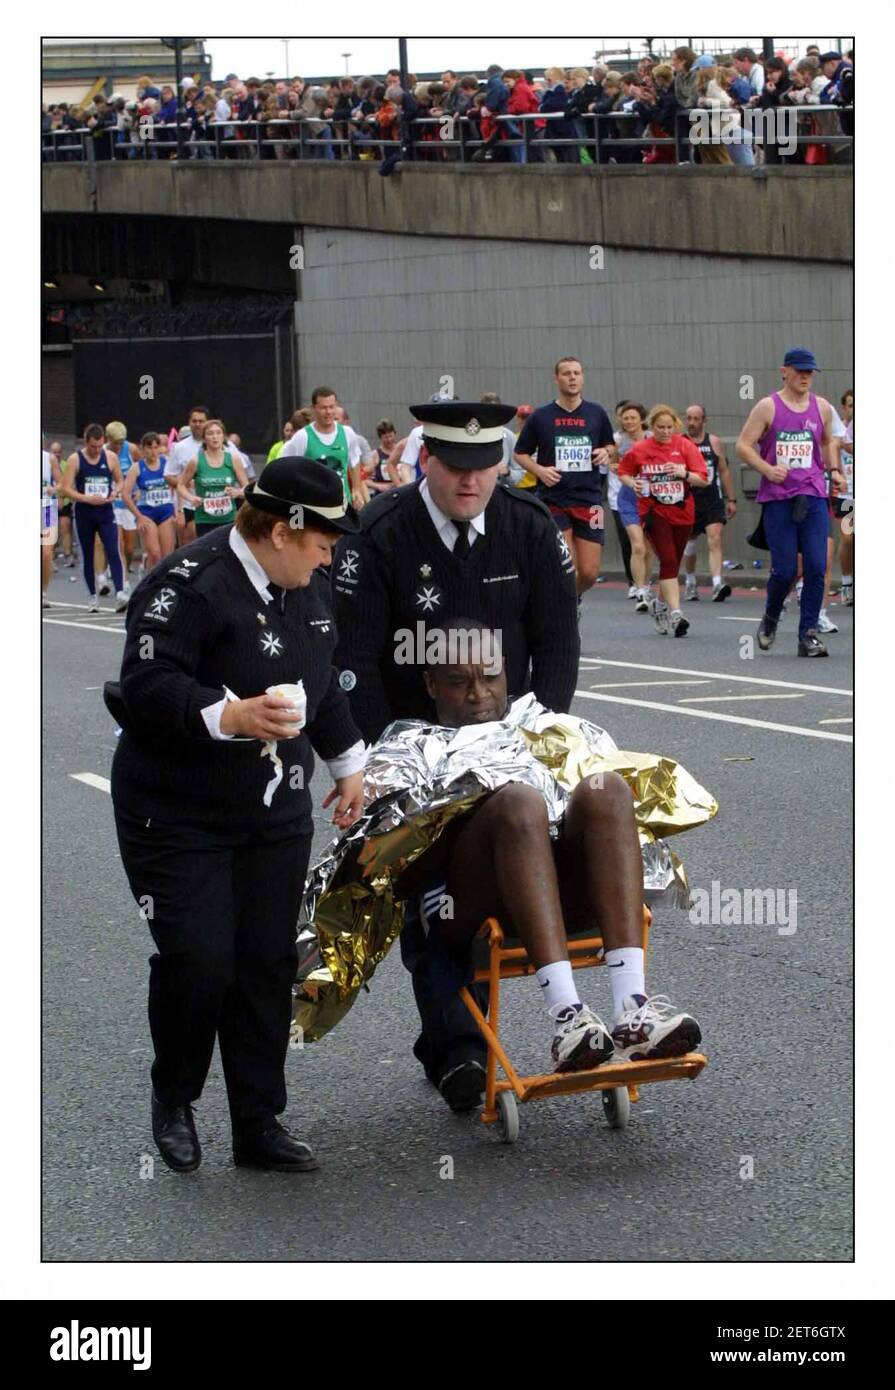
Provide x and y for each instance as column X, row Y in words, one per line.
column 715, row 505
column 277, row 447
column 154, row 514
column 48, row 523
column 631, row 417
column 92, row 478
column 66, row 528
column 844, row 506
column 179, row 455
column 573, row 440
column 212, row 480
column 117, row 443
column 662, row 471
column 788, row 439
column 384, row 477
column 328, row 441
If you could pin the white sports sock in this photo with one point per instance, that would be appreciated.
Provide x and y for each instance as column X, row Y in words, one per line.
column 557, row 985
column 625, row 966
column 716, row 581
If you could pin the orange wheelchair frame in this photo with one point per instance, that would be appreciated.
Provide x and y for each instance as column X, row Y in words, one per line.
column 618, row 1082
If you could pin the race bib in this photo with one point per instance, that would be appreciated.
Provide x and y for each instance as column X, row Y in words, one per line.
column 710, row 470
column 848, row 468
column 795, row 449
column 157, row 497
column 217, row 504
column 667, row 490
column 96, row 487
column 572, row 454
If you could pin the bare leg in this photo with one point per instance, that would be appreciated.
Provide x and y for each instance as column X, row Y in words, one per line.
column 716, row 548
column 587, row 556
column 599, row 862
column 670, row 590
column 638, row 555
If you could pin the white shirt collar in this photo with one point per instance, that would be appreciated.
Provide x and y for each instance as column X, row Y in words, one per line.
column 444, row 524
column 256, row 572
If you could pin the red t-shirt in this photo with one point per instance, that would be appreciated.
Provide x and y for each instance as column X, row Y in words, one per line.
column 669, row 497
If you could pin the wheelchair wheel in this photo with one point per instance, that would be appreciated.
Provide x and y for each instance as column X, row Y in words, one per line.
column 617, row 1107
column 507, row 1117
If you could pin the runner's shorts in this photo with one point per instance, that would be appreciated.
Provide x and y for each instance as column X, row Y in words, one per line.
column 158, row 514
column 585, row 523
column 708, row 511
column 125, row 518
column 627, row 506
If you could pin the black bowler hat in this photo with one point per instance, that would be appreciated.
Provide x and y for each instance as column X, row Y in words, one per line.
column 464, row 434
column 289, row 483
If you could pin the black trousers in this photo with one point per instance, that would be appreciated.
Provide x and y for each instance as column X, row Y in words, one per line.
column 449, row 1033
column 222, row 908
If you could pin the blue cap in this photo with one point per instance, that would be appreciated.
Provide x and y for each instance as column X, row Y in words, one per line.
column 802, row 359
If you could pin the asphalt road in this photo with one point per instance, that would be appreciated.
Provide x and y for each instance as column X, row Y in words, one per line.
column 752, row 1161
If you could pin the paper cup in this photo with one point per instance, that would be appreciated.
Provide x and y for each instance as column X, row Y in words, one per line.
column 293, row 695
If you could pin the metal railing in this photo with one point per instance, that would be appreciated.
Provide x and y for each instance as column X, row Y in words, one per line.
column 525, row 138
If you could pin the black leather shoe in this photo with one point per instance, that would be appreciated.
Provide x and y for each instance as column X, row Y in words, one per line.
column 811, row 645
column 174, row 1131
column 767, row 631
column 274, row 1149
column 463, row 1086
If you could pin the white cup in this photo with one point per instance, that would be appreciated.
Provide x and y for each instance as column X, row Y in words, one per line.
column 293, row 695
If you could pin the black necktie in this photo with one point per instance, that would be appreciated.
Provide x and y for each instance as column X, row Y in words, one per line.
column 461, row 547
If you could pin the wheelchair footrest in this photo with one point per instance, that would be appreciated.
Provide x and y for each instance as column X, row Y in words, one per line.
column 608, row 1076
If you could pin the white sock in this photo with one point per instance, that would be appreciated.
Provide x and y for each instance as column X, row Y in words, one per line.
column 847, row 581
column 691, row 581
column 625, row 967
column 557, row 985
column 716, row 581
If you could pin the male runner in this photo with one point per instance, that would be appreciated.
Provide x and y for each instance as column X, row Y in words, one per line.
column 179, row 456
column 788, row 439
column 715, row 506
column 573, row 441
column 332, row 443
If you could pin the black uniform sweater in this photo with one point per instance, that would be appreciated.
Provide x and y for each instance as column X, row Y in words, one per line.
column 194, row 625
column 518, row 577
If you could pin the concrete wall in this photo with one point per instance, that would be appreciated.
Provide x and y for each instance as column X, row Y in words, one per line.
column 800, row 213
column 383, row 319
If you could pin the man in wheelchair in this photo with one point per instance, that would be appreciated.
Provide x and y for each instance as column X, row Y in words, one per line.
column 499, row 861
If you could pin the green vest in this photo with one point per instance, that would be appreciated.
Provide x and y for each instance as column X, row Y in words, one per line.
column 275, row 450
column 338, row 451
column 208, row 483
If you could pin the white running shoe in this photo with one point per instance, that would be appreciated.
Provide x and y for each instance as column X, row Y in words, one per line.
column 652, row 1028
column 581, row 1040
column 93, row 606
column 691, row 593
column 824, row 624
column 632, row 591
column 847, row 596
column 642, row 604
column 659, row 610
column 678, row 625
column 122, row 599
column 104, row 585
column 45, row 602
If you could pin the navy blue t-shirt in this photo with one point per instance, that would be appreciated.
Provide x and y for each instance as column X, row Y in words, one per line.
column 564, row 440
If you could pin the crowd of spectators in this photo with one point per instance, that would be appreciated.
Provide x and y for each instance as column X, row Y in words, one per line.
column 372, row 118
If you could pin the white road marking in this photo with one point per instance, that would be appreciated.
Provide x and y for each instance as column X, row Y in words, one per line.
column 94, row 627
column 835, row 721
column 597, row 661
column 729, row 618
column 102, row 784
column 712, row 714
column 714, row 699
column 620, row 685
column 101, row 612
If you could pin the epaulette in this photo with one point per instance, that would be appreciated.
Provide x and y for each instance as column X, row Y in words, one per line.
column 385, row 503
column 185, row 569
column 521, row 494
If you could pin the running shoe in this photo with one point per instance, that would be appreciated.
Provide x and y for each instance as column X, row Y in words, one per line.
column 722, row 592
column 767, row 631
column 847, row 596
column 121, row 601
column 642, row 604
column 824, row 624
column 679, row 625
column 691, row 594
column 799, row 586
column 632, row 592
column 93, row 605
column 811, row 645
column 105, row 586
column 652, row 1028
column 45, row 602
column 659, row 611
column 581, row 1040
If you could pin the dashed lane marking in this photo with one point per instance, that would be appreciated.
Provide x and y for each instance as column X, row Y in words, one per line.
column 835, row 721
column 598, row 661
column 714, row 699
column 94, row 627
column 620, row 685
column 713, row 714
column 91, row 779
